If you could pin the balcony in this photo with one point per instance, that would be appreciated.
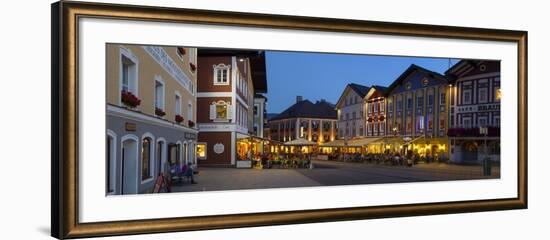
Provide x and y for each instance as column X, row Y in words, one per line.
column 473, row 132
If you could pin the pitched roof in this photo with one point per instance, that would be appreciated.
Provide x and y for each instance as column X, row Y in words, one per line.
column 359, row 89
column 412, row 68
column 305, row 108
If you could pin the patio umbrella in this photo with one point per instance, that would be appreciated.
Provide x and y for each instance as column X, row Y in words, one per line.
column 300, row 142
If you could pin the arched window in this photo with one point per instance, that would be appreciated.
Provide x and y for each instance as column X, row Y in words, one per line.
column 110, row 160
column 146, row 171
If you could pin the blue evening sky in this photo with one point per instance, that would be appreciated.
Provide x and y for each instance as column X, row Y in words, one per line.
column 318, row 76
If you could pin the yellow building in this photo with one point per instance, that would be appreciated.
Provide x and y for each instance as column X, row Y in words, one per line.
column 151, row 114
column 417, row 113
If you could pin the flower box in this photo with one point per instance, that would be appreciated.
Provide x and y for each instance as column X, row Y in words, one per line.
column 179, row 118
column 190, row 123
column 159, row 112
column 129, row 99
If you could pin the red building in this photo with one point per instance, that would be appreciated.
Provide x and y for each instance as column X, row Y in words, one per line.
column 474, row 111
column 227, row 81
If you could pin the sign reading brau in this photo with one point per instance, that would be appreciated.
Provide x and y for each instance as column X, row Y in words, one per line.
column 480, row 108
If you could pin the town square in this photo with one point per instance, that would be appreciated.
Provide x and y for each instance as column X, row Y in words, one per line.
column 184, row 119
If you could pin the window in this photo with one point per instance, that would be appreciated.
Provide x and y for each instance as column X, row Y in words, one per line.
column 369, row 109
column 220, row 111
column 409, row 103
column 442, row 99
column 382, row 107
column 347, row 116
column 419, row 101
column 221, row 74
column 177, row 109
column 497, row 94
column 146, row 172
column 482, row 95
column 354, row 115
column 181, row 52
column 442, row 124
column 466, row 97
column 430, row 100
column 482, row 122
column 110, row 164
column 382, row 127
column 256, row 110
column 390, row 106
column 128, row 72
column 467, row 122
column 399, row 105
column 192, row 55
column 190, row 111
column 159, row 93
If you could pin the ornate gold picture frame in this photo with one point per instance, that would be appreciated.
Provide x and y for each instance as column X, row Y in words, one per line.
column 65, row 119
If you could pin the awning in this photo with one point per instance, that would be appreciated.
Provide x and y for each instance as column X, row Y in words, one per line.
column 351, row 143
column 300, row 142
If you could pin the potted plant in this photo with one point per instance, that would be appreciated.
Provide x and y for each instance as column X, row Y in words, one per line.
column 159, row 112
column 190, row 123
column 193, row 67
column 129, row 99
column 179, row 118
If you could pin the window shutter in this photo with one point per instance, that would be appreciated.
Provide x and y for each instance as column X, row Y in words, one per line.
column 212, row 111
column 229, row 111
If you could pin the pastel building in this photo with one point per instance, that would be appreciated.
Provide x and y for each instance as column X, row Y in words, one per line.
column 475, row 111
column 350, row 109
column 375, row 109
column 314, row 122
column 418, row 113
column 227, row 83
column 151, row 114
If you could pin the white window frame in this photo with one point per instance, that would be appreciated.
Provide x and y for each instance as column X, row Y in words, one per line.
column 469, row 91
column 112, row 163
column 152, row 157
column 133, row 77
column 190, row 113
column 222, row 67
column 464, row 125
column 486, row 95
column 205, row 150
column 177, row 105
column 229, row 114
column 180, row 56
column 158, row 79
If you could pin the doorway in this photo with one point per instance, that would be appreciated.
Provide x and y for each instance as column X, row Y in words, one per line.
column 129, row 167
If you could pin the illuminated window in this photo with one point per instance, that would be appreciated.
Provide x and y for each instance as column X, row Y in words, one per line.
column 482, row 95
column 220, row 111
column 146, row 171
column 497, row 94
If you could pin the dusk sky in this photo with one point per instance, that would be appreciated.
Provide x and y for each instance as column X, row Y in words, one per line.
column 318, row 76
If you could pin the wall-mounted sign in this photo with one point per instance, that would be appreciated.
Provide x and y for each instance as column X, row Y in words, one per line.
column 130, row 127
column 479, row 108
column 219, row 148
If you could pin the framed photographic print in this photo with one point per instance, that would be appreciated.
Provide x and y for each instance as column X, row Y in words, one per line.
column 167, row 119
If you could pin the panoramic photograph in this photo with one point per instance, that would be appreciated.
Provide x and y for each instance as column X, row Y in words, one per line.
column 188, row 119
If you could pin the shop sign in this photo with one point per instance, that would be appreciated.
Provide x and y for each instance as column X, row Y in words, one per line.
column 130, row 127
column 219, row 148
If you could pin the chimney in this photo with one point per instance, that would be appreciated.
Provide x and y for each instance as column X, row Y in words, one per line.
column 299, row 98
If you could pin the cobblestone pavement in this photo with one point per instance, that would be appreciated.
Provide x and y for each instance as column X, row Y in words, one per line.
column 327, row 173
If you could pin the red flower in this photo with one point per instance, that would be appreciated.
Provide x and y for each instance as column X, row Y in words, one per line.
column 193, row 67
column 179, row 118
column 190, row 123
column 181, row 51
column 159, row 112
column 129, row 99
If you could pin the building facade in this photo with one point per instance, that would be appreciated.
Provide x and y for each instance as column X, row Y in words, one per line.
column 475, row 104
column 417, row 113
column 151, row 114
column 350, row 109
column 375, row 108
column 314, row 122
column 225, row 99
